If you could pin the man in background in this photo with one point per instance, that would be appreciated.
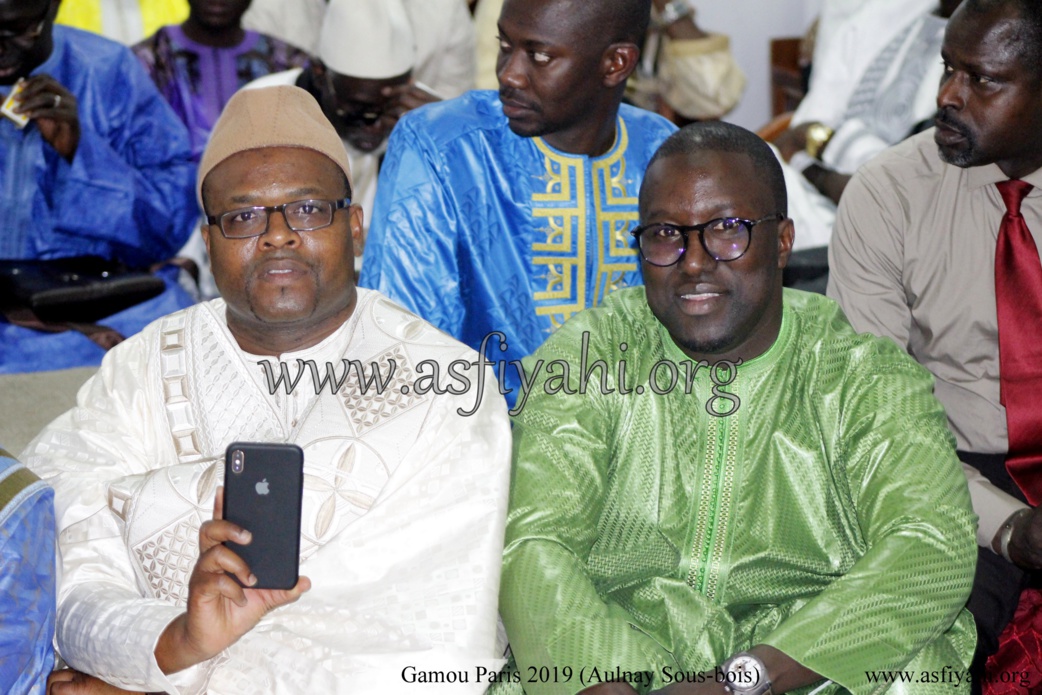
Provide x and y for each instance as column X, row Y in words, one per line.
column 443, row 34
column 101, row 167
column 297, row 23
column 875, row 87
column 936, row 247
column 365, row 48
column 685, row 73
column 198, row 64
column 510, row 212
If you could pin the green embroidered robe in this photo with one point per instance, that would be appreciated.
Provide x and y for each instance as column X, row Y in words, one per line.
column 827, row 515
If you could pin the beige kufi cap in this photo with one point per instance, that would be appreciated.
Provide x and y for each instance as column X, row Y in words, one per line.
column 281, row 116
column 369, row 39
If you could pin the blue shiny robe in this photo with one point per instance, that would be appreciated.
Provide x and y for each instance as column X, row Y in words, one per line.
column 128, row 194
column 26, row 580
column 477, row 229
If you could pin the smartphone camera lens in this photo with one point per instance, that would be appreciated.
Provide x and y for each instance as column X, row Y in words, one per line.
column 238, row 459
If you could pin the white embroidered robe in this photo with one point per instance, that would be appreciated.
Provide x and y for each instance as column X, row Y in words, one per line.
column 403, row 513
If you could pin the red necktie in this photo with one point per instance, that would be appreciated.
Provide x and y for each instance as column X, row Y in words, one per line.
column 1018, row 296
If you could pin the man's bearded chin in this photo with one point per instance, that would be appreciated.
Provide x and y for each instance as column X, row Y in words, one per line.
column 964, row 156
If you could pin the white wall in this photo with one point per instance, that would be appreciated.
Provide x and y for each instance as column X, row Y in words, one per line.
column 811, row 8
column 752, row 24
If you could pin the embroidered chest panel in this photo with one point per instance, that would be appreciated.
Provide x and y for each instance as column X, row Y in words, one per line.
column 582, row 216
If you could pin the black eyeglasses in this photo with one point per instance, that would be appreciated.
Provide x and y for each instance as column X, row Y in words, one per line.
column 361, row 118
column 300, row 216
column 724, row 239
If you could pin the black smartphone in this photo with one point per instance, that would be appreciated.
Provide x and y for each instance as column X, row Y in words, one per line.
column 263, row 489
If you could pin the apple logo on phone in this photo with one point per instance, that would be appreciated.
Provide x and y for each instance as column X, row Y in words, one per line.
column 262, row 487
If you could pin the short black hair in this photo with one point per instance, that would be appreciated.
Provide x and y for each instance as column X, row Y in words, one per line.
column 615, row 21
column 717, row 136
column 1030, row 12
column 630, row 21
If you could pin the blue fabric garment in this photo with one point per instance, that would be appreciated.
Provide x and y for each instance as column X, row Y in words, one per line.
column 129, row 193
column 477, row 229
column 25, row 350
column 26, row 581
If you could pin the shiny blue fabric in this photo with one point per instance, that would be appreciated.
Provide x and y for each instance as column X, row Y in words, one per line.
column 128, row 194
column 477, row 229
column 26, row 587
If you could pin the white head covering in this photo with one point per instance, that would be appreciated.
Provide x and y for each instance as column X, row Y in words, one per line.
column 370, row 39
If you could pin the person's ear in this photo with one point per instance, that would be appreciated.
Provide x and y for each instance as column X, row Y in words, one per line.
column 618, row 63
column 786, row 237
column 356, row 221
column 204, row 225
column 204, row 231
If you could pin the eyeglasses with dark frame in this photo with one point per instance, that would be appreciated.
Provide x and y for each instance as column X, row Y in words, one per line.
column 724, row 239
column 300, row 215
column 358, row 119
column 25, row 38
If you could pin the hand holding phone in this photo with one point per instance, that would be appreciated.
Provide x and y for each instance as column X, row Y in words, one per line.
column 220, row 610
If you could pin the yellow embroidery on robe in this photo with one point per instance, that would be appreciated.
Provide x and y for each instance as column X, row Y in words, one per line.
column 580, row 268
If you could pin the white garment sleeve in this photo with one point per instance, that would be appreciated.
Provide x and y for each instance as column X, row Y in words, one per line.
column 297, row 23
column 849, row 50
column 993, row 506
column 446, row 51
column 812, row 213
column 852, row 144
column 834, row 78
column 105, row 627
